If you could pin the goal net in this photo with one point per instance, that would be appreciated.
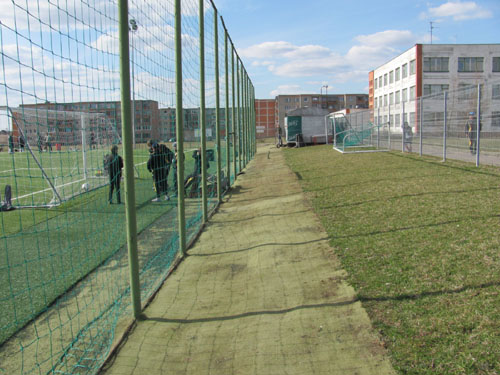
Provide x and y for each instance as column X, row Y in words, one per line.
column 54, row 155
column 357, row 132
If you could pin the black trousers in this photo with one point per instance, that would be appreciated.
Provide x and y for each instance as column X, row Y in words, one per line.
column 114, row 183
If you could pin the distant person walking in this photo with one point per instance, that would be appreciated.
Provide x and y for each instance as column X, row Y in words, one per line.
column 115, row 166
column 408, row 136
column 11, row 144
column 471, row 132
column 21, row 143
column 48, row 144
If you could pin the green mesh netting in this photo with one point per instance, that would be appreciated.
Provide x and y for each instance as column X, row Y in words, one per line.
column 64, row 273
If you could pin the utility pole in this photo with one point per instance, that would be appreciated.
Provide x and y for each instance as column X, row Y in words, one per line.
column 432, row 28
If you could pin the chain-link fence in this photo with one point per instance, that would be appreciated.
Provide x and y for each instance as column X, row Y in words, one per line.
column 155, row 87
column 445, row 124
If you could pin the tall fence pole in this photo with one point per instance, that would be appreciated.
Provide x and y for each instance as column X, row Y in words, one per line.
column 217, row 106
column 378, row 128
column 238, row 87
column 478, row 124
column 179, row 131
column 403, row 130
column 421, row 132
column 201, row 14
column 389, row 122
column 445, row 123
column 233, row 112
column 228, row 125
column 127, row 136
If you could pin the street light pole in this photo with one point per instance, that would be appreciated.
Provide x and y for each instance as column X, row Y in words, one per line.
column 133, row 28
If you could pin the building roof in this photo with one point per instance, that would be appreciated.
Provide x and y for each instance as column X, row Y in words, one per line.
column 308, row 111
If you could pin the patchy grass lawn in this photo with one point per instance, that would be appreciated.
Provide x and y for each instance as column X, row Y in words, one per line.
column 420, row 241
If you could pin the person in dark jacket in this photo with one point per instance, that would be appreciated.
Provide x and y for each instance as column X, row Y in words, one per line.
column 157, row 165
column 115, row 166
column 194, row 179
column 11, row 144
column 21, row 143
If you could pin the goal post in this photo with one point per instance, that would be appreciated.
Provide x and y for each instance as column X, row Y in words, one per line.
column 358, row 131
column 57, row 154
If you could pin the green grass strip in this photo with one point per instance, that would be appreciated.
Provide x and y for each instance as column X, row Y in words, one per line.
column 419, row 239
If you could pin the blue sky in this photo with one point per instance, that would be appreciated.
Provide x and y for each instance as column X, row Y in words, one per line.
column 291, row 47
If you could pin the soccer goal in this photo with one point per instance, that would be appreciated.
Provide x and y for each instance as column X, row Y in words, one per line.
column 55, row 155
column 357, row 132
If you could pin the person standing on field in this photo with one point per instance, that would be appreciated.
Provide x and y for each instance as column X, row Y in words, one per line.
column 471, row 132
column 115, row 166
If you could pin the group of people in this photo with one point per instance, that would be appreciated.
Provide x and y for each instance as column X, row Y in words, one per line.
column 161, row 160
column 12, row 146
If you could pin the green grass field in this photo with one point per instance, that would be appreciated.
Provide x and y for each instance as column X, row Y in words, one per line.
column 419, row 239
column 44, row 251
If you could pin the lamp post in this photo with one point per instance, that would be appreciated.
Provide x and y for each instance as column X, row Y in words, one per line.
column 326, row 87
column 133, row 28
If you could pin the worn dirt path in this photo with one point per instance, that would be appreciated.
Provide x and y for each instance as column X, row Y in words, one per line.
column 261, row 292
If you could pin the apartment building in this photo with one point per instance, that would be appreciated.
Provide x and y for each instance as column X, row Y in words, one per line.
column 428, row 69
column 265, row 110
column 63, row 121
column 332, row 102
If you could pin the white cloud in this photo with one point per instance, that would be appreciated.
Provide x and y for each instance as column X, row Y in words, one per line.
column 459, row 11
column 286, row 90
column 288, row 60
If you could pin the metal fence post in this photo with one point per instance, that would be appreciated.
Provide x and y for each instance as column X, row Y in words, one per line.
column 378, row 128
column 478, row 124
column 233, row 113
column 217, row 106
column 403, row 129
column 238, row 102
column 445, row 123
column 228, row 126
column 421, row 124
column 389, row 122
column 127, row 138
column 179, row 123
column 203, row 135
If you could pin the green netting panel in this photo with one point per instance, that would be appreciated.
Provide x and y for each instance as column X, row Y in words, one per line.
column 64, row 277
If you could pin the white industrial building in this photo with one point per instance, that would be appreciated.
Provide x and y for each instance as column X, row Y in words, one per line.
column 428, row 69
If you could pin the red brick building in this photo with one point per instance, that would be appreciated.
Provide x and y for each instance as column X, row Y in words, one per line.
column 265, row 110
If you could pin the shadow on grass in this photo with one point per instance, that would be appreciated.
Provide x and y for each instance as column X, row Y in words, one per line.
column 404, row 297
column 394, row 230
column 384, row 199
column 251, row 313
column 261, row 245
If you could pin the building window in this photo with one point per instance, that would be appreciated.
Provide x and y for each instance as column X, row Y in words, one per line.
column 287, row 100
column 306, row 99
column 495, row 92
column 398, row 97
column 380, row 82
column 397, row 120
column 436, row 64
column 391, row 98
column 375, row 103
column 496, row 65
column 495, row 119
column 470, row 64
column 404, row 95
column 466, row 91
column 398, row 74
column 385, row 79
column 385, row 100
column 412, row 93
column 435, row 89
column 297, row 100
column 315, row 99
column 404, row 70
column 391, row 76
column 375, row 84
column 412, row 67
